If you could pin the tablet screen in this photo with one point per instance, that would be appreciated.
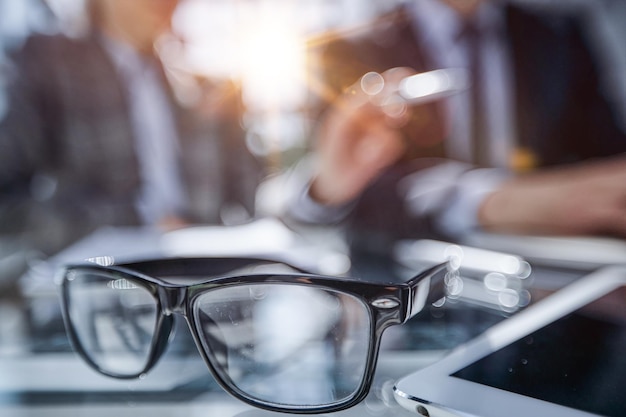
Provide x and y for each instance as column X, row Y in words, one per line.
column 578, row 361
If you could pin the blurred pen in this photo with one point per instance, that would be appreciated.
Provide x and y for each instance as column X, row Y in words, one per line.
column 432, row 85
column 417, row 89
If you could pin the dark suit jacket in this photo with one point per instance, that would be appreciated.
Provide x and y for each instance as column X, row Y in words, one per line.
column 67, row 156
column 561, row 114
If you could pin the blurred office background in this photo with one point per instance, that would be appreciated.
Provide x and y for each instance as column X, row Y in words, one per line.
column 258, row 42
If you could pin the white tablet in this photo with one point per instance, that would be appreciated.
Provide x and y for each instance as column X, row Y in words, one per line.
column 563, row 356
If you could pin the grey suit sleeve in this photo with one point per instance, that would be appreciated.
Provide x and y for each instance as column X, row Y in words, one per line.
column 20, row 127
column 22, row 147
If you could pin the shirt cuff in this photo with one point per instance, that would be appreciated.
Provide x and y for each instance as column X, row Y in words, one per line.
column 303, row 208
column 307, row 210
column 450, row 194
column 460, row 216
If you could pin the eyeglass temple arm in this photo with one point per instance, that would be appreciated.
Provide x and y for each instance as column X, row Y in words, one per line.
column 425, row 288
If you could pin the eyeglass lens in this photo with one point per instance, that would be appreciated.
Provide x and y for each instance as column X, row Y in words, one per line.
column 114, row 321
column 295, row 345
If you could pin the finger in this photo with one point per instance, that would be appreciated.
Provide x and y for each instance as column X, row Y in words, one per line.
column 394, row 76
column 382, row 145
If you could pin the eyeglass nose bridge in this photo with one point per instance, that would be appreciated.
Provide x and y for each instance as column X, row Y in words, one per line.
column 173, row 300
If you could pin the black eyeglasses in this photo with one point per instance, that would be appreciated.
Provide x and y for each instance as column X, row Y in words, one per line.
column 289, row 341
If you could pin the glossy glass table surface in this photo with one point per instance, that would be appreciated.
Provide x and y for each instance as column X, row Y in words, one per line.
column 40, row 375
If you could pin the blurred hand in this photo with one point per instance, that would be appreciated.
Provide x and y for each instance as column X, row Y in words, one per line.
column 582, row 199
column 358, row 139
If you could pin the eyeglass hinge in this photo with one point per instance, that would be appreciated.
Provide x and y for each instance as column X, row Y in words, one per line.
column 417, row 298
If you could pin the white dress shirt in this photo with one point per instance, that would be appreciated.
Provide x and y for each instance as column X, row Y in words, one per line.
column 154, row 128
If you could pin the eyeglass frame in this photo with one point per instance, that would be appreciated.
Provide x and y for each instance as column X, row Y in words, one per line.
column 388, row 304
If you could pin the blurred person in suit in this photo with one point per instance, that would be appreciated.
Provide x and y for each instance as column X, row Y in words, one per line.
column 94, row 135
column 544, row 159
